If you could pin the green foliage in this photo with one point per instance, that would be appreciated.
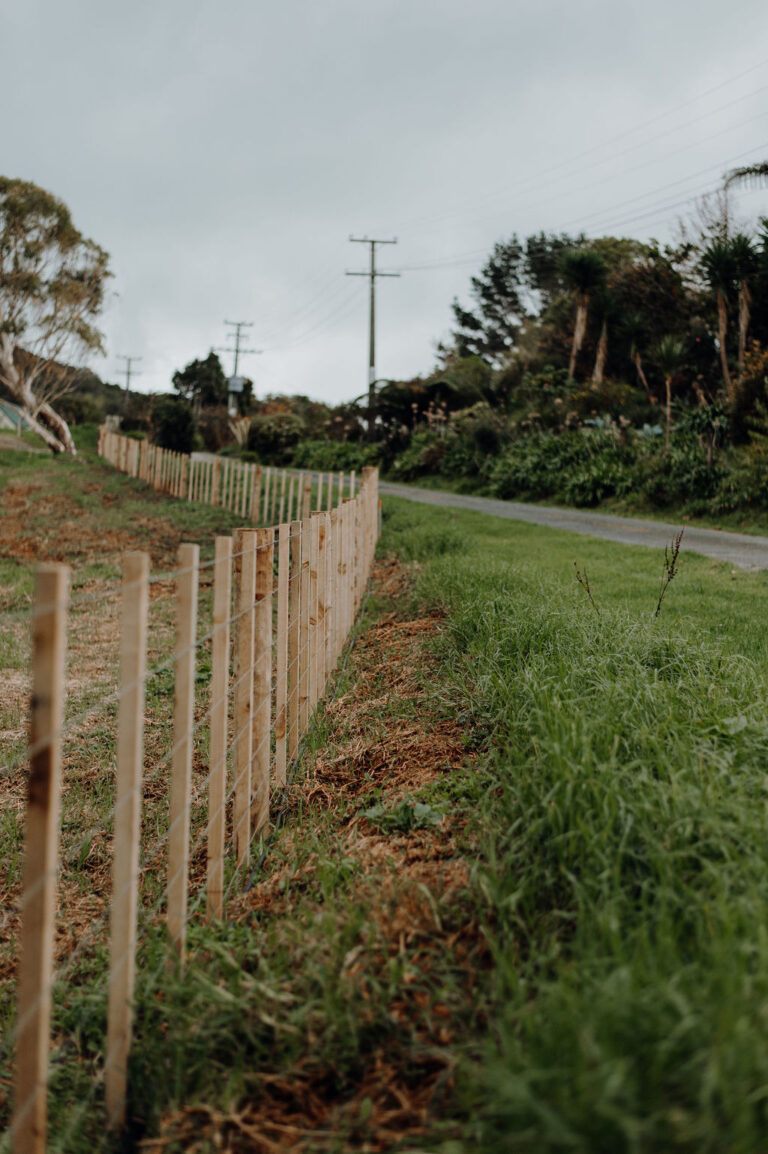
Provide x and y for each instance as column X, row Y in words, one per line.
column 407, row 815
column 202, row 382
column 173, row 424
column 273, row 436
column 333, row 456
column 581, row 467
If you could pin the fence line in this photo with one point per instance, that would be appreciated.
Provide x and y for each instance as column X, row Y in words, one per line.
column 285, row 599
column 259, row 493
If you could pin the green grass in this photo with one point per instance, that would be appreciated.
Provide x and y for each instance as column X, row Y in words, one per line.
column 623, row 868
column 746, row 520
column 612, row 815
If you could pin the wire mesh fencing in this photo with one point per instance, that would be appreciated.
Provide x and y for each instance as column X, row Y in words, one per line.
column 147, row 787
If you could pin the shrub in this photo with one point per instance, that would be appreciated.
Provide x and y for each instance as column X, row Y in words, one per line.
column 273, row 436
column 173, row 424
column 335, row 456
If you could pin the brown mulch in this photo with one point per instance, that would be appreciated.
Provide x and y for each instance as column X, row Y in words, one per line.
column 407, row 881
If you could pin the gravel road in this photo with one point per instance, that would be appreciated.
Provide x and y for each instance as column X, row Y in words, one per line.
column 738, row 549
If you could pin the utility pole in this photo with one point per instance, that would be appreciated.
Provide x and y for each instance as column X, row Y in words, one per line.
column 372, row 274
column 238, row 326
column 128, row 373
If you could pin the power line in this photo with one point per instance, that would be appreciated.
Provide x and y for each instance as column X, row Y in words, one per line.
column 372, row 274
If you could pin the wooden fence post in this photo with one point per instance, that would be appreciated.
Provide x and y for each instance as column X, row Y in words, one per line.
column 267, row 485
column 183, row 726
column 125, row 860
column 217, row 782
column 314, row 548
column 322, row 624
column 245, row 591
column 289, row 513
column 304, row 629
column 281, row 656
column 330, row 592
column 41, row 843
column 256, row 496
column 281, row 511
column 262, row 678
column 294, row 624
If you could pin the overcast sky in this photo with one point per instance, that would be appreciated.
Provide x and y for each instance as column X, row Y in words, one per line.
column 223, row 154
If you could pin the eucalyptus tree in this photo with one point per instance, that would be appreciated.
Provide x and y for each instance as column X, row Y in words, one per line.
column 584, row 273
column 52, row 283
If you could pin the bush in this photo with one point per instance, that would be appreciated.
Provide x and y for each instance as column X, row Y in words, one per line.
column 333, row 456
column 582, row 467
column 680, row 476
column 273, row 436
column 173, row 424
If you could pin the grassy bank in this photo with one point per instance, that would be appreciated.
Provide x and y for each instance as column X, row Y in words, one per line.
column 622, row 869
column 514, row 900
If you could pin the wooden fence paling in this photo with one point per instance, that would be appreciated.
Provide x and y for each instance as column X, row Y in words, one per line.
column 262, row 678
column 304, row 629
column 127, row 817
column 322, row 624
column 294, row 624
column 38, row 902
column 281, row 655
column 183, row 726
column 256, row 495
column 267, row 485
column 217, row 782
column 245, row 590
column 312, row 655
column 215, row 482
column 281, row 511
column 330, row 593
column 245, row 490
column 273, row 502
column 319, row 493
column 289, row 512
column 352, row 483
column 306, row 507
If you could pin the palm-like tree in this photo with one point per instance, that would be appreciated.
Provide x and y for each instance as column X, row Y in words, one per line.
column 584, row 272
column 719, row 268
column 745, row 264
column 670, row 357
column 633, row 328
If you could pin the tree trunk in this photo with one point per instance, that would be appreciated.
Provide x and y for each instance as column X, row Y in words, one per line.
column 579, row 330
column 745, row 301
column 722, row 336
column 638, row 363
column 602, row 354
column 668, row 387
column 44, row 420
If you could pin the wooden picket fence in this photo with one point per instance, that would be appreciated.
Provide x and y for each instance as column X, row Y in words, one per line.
column 284, row 601
column 262, row 494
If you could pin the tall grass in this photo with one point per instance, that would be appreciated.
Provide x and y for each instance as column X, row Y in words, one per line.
column 622, row 865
